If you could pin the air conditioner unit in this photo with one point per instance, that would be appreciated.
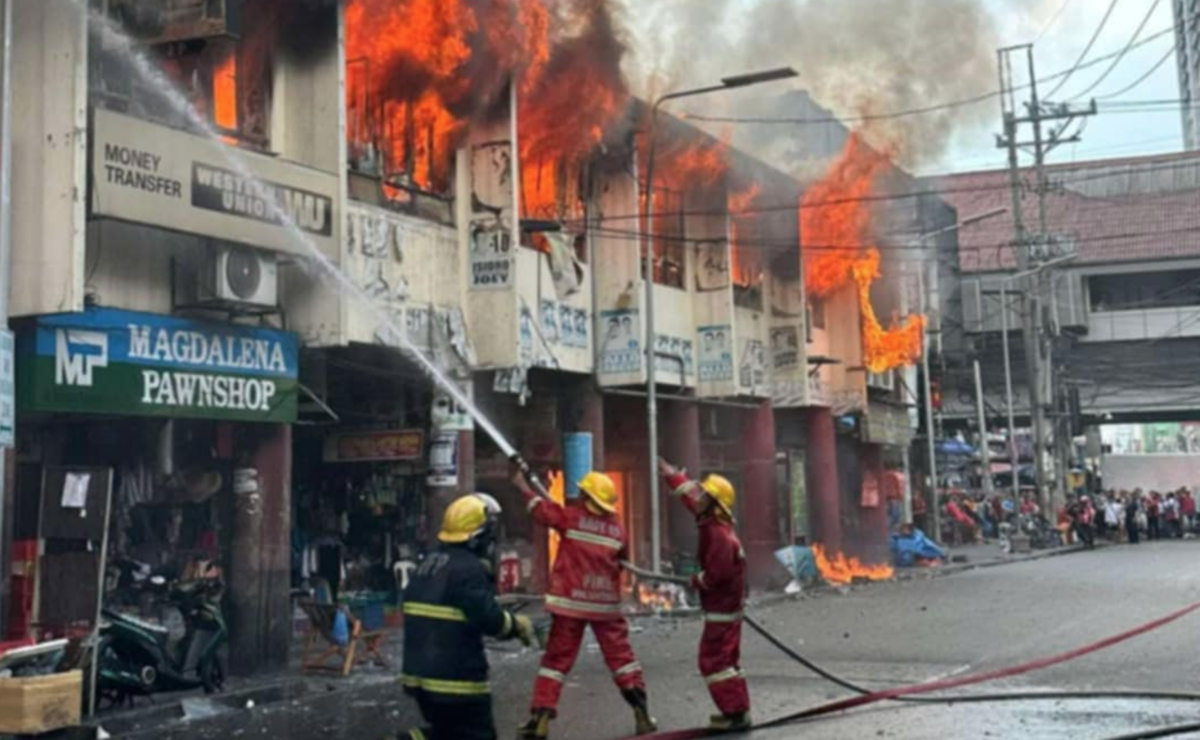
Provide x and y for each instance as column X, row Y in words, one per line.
column 882, row 381
column 232, row 276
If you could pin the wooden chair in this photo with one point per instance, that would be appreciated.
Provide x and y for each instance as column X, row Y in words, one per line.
column 320, row 645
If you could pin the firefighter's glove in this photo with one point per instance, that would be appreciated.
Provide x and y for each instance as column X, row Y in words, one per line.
column 523, row 629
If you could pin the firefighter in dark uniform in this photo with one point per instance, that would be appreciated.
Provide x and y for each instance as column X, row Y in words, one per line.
column 449, row 606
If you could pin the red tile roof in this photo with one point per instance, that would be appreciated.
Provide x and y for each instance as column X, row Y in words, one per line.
column 1114, row 210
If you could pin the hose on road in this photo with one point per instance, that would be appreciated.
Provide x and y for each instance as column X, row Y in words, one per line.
column 1168, row 731
column 911, row 692
column 969, row 698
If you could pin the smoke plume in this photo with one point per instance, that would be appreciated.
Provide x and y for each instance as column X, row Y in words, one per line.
column 856, row 57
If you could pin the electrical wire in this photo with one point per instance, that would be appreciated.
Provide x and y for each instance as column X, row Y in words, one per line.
column 789, row 244
column 1053, row 19
column 1168, row 731
column 925, row 109
column 1136, row 83
column 1120, row 57
column 1105, row 172
column 1086, row 50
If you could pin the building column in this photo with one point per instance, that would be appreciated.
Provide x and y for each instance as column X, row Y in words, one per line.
column 259, row 576
column 680, row 444
column 760, row 497
column 824, row 494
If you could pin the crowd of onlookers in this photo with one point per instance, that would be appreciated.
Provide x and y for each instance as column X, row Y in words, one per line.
column 1115, row 516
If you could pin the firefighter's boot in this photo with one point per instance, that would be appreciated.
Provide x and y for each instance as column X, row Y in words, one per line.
column 538, row 726
column 730, row 722
column 644, row 723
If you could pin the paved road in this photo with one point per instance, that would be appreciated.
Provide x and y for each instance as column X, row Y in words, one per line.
column 878, row 635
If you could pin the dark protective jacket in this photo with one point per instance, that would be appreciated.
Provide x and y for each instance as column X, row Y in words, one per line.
column 449, row 606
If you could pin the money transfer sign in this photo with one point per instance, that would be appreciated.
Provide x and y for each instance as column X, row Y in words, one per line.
column 108, row 361
column 151, row 174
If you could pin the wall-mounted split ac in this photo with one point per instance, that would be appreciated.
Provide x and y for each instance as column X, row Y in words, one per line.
column 228, row 276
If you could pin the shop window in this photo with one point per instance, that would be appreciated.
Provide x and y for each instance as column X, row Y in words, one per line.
column 227, row 83
column 1148, row 290
column 746, row 265
column 816, row 315
column 669, row 238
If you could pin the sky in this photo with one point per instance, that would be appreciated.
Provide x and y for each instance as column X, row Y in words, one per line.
column 1109, row 134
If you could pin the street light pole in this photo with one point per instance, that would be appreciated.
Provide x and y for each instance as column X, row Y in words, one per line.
column 651, row 354
column 1013, row 455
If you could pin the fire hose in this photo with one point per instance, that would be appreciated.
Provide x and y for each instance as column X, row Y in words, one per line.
column 915, row 692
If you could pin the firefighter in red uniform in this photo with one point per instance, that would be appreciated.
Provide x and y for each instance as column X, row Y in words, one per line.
column 722, row 586
column 585, row 590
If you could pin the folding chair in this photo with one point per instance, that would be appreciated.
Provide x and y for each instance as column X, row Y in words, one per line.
column 320, row 645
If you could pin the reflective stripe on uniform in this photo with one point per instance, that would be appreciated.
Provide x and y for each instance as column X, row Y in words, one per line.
column 533, row 502
column 722, row 618
column 416, row 735
column 686, row 487
column 634, row 667
column 594, row 539
column 583, row 606
column 726, row 675
column 552, row 674
column 444, row 686
column 507, row 630
column 434, row 611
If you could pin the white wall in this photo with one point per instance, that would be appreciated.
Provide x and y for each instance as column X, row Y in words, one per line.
column 1151, row 472
column 49, row 156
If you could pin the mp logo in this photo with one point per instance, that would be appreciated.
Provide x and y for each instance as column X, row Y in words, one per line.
column 77, row 354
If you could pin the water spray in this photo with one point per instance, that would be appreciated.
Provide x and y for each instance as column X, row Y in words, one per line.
column 117, row 39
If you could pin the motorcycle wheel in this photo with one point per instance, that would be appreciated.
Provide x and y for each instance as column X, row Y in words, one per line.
column 212, row 673
column 107, row 696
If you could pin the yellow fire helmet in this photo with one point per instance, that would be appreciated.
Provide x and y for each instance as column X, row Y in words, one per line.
column 601, row 490
column 463, row 519
column 721, row 491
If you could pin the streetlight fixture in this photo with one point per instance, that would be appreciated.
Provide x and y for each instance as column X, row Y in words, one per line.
column 727, row 83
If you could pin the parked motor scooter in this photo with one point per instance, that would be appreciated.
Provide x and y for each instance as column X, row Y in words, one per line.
column 139, row 658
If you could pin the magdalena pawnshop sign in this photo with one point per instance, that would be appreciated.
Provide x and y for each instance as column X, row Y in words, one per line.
column 108, row 361
column 150, row 174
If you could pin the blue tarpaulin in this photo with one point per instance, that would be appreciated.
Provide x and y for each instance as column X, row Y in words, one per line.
column 907, row 548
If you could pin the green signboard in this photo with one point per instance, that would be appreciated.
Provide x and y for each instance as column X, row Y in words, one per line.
column 109, row 361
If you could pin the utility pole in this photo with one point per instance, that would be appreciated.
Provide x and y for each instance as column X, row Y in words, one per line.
column 1033, row 248
column 985, row 454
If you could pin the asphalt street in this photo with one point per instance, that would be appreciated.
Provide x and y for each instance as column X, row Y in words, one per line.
column 878, row 635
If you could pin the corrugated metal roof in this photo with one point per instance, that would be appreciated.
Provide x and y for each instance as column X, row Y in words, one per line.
column 1113, row 210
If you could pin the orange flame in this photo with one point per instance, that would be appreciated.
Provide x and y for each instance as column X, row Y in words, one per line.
column 572, row 92
column 655, row 599
column 225, row 93
column 696, row 162
column 835, row 218
column 420, row 71
column 745, row 265
column 840, row 570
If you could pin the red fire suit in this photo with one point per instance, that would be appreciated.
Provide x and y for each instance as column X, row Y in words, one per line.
column 722, row 586
column 585, row 589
